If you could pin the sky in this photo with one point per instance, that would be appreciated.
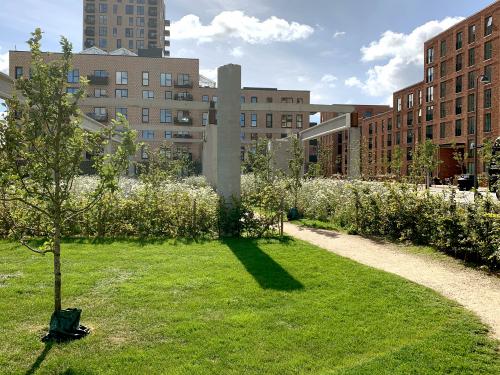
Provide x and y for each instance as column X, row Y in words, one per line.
column 343, row 51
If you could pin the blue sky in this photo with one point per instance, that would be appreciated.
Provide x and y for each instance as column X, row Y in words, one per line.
column 344, row 51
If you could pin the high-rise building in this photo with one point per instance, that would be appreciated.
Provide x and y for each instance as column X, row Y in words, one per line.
column 136, row 25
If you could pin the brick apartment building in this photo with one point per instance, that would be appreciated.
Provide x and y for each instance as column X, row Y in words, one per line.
column 334, row 146
column 442, row 107
column 137, row 25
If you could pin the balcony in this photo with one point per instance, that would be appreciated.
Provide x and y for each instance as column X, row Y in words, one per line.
column 183, row 136
column 186, row 120
column 98, row 117
column 98, row 80
column 184, row 84
column 184, row 97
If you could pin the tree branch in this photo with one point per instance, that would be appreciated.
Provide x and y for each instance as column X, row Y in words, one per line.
column 41, row 252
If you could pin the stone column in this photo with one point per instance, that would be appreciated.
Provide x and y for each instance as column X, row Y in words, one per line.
column 228, row 145
column 354, row 154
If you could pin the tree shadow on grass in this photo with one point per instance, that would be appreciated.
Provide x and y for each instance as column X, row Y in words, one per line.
column 38, row 362
column 267, row 272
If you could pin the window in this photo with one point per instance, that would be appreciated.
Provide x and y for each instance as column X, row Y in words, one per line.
column 18, row 72
column 145, row 115
column 430, row 55
column 204, row 119
column 442, row 90
column 459, row 40
column 103, row 8
column 472, row 34
column 286, row 121
column 168, row 134
column 139, row 21
column 140, row 10
column 443, row 69
column 269, row 120
column 183, row 79
column 242, row 99
column 488, row 26
column 398, row 121
column 242, row 120
column 443, row 48
column 145, row 78
column 389, row 124
column 429, row 130
column 215, row 99
column 398, row 138
column 442, row 110
column 205, row 98
column 103, row 31
column 166, row 79
column 471, row 80
column 419, row 97
column 254, row 136
column 74, row 76
column 472, row 56
column 144, row 153
column 487, row 72
column 409, row 137
column 119, row 20
column 300, row 100
column 72, row 90
column 471, row 103
column 487, row 98
column 129, row 9
column 429, row 113
column 488, row 50
column 399, row 104
column 458, row 84
column 253, row 118
column 299, row 120
column 430, row 74
column 148, row 134
column 165, row 116
column 459, row 62
column 122, row 78
column 487, row 122
column 429, row 94
column 458, row 128
column 442, row 130
column 121, row 111
column 458, row 106
column 389, row 140
column 121, row 93
column 148, row 94
column 168, row 95
column 419, row 117
column 471, row 125
column 409, row 118
column 287, row 100
column 253, row 99
column 409, row 103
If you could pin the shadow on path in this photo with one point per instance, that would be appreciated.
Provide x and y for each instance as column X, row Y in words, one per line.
column 263, row 268
column 36, row 365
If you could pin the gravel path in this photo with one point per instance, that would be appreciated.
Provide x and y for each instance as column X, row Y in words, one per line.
column 473, row 289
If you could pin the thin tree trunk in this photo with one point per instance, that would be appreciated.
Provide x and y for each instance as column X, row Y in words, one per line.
column 57, row 270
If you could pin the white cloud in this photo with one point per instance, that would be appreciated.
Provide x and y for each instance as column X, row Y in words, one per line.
column 209, row 73
column 236, row 24
column 329, row 80
column 338, row 34
column 403, row 55
column 302, row 79
column 237, row 52
column 353, row 82
column 4, row 62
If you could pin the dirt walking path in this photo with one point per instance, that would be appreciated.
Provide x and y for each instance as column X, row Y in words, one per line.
column 473, row 289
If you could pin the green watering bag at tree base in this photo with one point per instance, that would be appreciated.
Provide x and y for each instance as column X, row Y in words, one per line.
column 65, row 325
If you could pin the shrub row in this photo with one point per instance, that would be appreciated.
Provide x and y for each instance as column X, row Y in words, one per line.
column 469, row 230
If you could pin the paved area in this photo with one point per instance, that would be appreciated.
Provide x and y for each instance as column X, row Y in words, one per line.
column 473, row 289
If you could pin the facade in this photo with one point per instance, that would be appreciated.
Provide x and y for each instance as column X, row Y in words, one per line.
column 442, row 107
column 162, row 98
column 137, row 25
column 335, row 146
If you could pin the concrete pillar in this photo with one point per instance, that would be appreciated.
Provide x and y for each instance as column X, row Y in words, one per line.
column 228, row 132
column 354, row 154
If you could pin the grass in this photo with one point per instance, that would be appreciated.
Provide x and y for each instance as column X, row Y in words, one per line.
column 231, row 307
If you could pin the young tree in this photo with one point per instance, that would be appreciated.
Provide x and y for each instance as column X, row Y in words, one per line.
column 460, row 156
column 396, row 162
column 425, row 161
column 42, row 147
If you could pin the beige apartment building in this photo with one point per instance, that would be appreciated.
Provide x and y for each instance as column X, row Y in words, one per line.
column 136, row 25
column 165, row 100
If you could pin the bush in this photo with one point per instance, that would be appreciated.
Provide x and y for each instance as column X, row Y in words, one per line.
column 467, row 230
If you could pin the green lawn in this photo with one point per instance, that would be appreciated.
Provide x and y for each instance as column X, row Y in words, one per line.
column 233, row 307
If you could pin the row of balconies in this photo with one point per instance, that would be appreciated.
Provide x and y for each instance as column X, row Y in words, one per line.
column 186, row 120
column 104, row 80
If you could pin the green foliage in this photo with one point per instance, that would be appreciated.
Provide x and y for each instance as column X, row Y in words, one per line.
column 467, row 230
column 296, row 168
